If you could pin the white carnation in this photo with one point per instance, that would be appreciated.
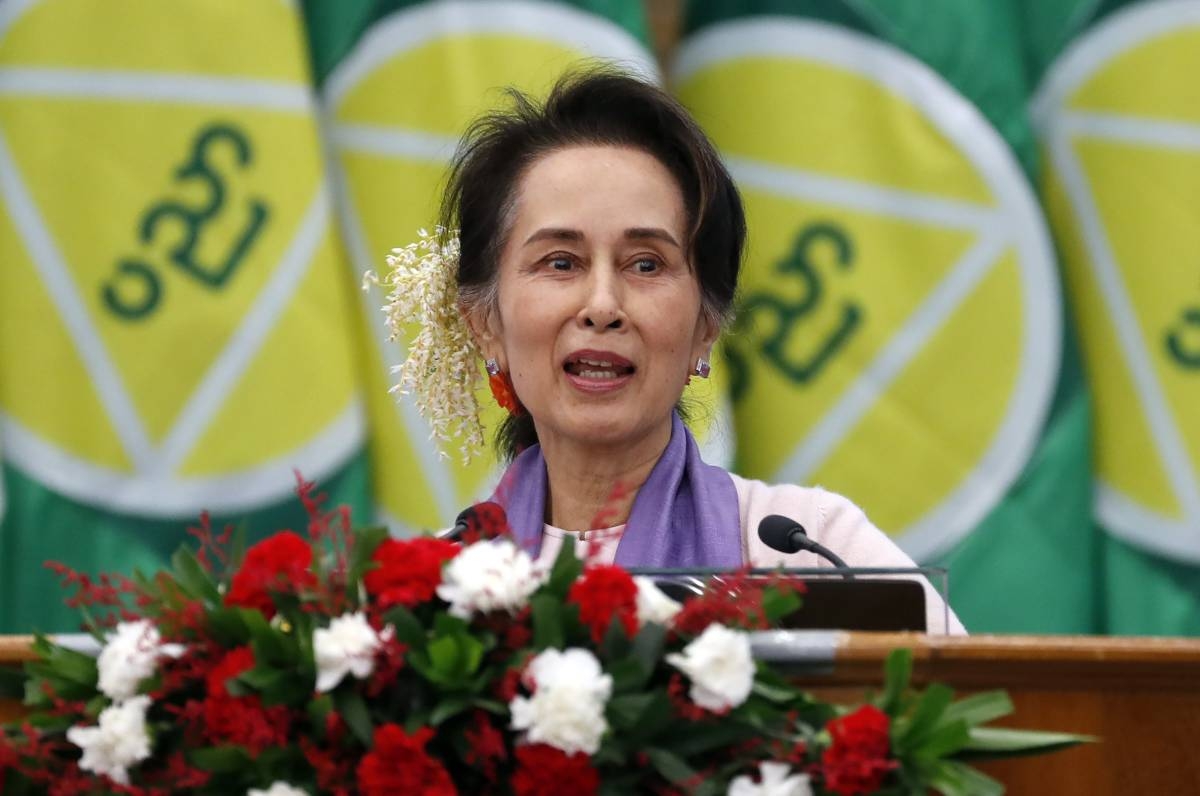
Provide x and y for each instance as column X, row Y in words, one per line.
column 652, row 604
column 347, row 646
column 117, row 741
column 277, row 789
column 566, row 710
column 130, row 655
column 720, row 666
column 775, row 782
column 491, row 575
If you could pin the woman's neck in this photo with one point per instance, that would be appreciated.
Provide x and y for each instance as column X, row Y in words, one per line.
column 590, row 487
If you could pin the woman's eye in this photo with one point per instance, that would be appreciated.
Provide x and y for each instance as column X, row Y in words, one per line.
column 646, row 265
column 560, row 263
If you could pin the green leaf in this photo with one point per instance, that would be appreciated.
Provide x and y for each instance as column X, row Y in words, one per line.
column 221, row 759
column 912, row 731
column 991, row 742
column 774, row 692
column 446, row 624
column 980, row 708
column 356, row 715
column 626, row 710
column 194, row 579
column 318, row 710
column 566, row 570
column 547, row 615
column 449, row 661
column 671, row 766
column 227, row 626
column 63, row 663
column 952, row 778
column 897, row 673
column 779, row 603
column 704, row 738
column 648, row 646
column 366, row 542
column 449, row 707
column 270, row 645
column 408, row 628
column 237, row 547
column 944, row 740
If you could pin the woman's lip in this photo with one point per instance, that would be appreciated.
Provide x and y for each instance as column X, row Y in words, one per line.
column 615, row 360
column 598, row 386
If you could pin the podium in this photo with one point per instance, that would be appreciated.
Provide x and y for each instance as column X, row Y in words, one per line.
column 1140, row 696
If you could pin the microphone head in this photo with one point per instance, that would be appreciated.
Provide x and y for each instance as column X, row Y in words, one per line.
column 778, row 533
column 486, row 520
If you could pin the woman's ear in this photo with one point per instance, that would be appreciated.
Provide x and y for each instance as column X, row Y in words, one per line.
column 709, row 329
column 483, row 323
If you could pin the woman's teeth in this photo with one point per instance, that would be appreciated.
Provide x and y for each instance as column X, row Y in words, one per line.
column 597, row 369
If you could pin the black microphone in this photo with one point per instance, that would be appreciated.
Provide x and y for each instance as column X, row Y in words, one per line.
column 788, row 536
column 461, row 525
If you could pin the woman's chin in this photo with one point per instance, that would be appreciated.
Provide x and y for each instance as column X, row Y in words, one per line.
column 606, row 424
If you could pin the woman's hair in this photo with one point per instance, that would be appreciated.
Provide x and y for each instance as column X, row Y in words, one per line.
column 599, row 106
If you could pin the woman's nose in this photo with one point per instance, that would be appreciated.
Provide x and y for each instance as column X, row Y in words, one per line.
column 602, row 307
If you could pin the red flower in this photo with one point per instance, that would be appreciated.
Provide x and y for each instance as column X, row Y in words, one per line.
column 737, row 601
column 543, row 770
column 399, row 765
column 279, row 563
column 409, row 572
column 485, row 746
column 602, row 593
column 389, row 661
column 241, row 720
column 856, row 762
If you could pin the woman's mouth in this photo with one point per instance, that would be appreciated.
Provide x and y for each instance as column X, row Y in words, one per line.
column 598, row 370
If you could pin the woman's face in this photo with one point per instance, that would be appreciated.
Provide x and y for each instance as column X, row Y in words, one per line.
column 599, row 320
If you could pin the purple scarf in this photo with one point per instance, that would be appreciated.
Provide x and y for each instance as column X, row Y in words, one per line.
column 685, row 515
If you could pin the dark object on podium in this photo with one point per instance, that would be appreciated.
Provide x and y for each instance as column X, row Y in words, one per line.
column 829, row 603
column 884, row 605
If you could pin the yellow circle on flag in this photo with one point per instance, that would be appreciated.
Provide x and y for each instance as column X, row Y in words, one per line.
column 399, row 102
column 1119, row 117
column 899, row 333
column 177, row 328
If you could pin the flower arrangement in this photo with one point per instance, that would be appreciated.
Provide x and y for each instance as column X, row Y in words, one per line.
column 348, row 662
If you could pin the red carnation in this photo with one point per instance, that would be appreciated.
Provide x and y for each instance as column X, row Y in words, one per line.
column 398, row 764
column 279, row 563
column 543, row 770
column 409, row 572
column 856, row 762
column 602, row 593
column 241, row 720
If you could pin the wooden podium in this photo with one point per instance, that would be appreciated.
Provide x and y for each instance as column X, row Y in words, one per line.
column 1140, row 696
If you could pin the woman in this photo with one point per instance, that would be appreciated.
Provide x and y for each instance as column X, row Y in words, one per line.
column 600, row 242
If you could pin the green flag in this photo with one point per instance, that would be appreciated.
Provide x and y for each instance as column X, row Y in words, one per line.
column 175, row 323
column 901, row 335
column 1118, row 113
column 400, row 82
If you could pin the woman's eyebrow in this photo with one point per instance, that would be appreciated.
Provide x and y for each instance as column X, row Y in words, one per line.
column 656, row 233
column 554, row 233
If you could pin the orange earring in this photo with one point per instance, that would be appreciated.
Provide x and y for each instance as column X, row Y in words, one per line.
column 502, row 389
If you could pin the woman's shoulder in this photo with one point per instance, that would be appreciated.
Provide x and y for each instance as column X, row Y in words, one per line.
column 827, row 517
column 814, row 507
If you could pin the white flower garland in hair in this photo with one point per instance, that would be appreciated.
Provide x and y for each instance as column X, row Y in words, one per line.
column 441, row 370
